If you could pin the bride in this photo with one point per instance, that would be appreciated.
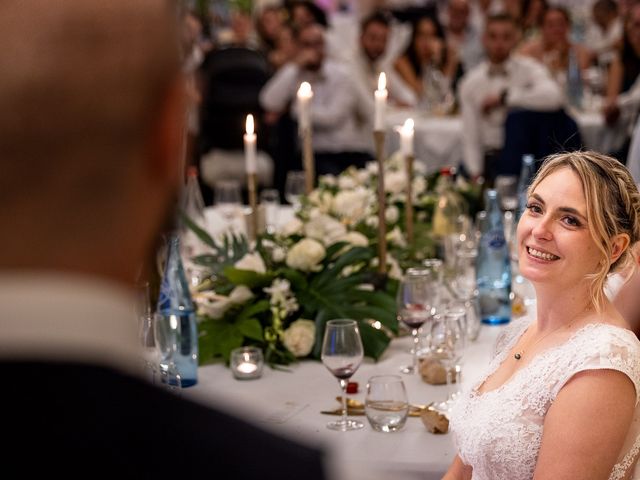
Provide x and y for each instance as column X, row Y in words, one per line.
column 560, row 398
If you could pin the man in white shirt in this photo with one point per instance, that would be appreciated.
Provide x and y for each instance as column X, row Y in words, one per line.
column 91, row 133
column 604, row 31
column 500, row 83
column 337, row 115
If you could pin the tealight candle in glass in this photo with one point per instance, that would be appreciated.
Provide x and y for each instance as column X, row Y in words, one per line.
column 247, row 363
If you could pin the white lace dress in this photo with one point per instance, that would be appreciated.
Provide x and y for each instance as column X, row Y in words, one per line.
column 499, row 432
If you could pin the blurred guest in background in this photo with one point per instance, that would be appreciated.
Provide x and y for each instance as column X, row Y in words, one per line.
column 463, row 36
column 604, row 32
column 427, row 66
column 91, row 133
column 554, row 47
column 532, row 17
column 500, row 83
column 336, row 112
column 268, row 25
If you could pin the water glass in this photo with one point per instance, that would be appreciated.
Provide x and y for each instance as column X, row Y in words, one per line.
column 386, row 404
column 228, row 198
column 447, row 346
column 294, row 188
column 270, row 200
column 166, row 337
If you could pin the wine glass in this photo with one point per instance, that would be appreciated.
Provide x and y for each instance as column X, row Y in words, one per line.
column 447, row 345
column 416, row 303
column 294, row 188
column 228, row 198
column 342, row 353
column 166, row 337
column 463, row 282
column 146, row 339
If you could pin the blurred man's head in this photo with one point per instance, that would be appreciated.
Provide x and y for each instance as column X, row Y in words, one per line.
column 90, row 132
column 311, row 45
column 604, row 12
column 374, row 35
column 500, row 36
column 459, row 11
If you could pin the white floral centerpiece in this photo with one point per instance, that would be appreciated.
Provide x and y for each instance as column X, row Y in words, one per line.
column 279, row 292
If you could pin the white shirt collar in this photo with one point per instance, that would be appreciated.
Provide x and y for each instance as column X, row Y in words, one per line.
column 66, row 317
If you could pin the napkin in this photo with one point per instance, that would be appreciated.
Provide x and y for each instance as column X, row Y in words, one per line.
column 434, row 421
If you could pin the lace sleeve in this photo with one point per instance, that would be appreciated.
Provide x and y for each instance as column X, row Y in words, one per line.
column 605, row 347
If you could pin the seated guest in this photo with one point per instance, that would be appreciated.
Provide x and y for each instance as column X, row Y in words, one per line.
column 623, row 74
column 268, row 25
column 284, row 49
column 93, row 113
column 500, row 83
column 427, row 66
column 462, row 36
column 532, row 17
column 560, row 397
column 368, row 61
column 336, row 112
column 553, row 47
column 604, row 32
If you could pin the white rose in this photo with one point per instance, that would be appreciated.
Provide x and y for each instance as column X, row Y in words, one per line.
column 352, row 205
column 305, row 255
column 392, row 214
column 372, row 167
column 324, row 228
column 300, row 337
column 394, row 269
column 395, row 182
column 346, row 182
column 419, row 185
column 328, row 180
column 356, row 239
column 278, row 254
column 252, row 262
column 292, row 227
column 395, row 236
column 372, row 221
column 395, row 161
column 240, row 294
column 362, row 176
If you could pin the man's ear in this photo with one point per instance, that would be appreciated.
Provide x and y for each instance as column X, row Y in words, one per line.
column 166, row 140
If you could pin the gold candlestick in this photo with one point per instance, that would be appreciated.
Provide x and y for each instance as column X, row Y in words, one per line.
column 253, row 203
column 409, row 202
column 378, row 136
column 308, row 160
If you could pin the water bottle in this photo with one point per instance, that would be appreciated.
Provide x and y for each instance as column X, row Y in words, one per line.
column 493, row 268
column 527, row 173
column 175, row 307
column 574, row 81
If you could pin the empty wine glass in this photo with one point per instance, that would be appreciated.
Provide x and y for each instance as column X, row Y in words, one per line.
column 342, row 353
column 294, row 188
column 416, row 302
column 228, row 198
column 447, row 345
column 270, row 201
column 463, row 282
column 507, row 187
column 166, row 337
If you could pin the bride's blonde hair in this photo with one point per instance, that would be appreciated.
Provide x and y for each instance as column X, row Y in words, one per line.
column 613, row 208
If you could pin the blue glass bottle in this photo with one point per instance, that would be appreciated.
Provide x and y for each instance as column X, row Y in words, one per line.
column 493, row 268
column 527, row 173
column 176, row 308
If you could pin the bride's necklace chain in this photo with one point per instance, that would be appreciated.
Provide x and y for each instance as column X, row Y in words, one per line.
column 518, row 355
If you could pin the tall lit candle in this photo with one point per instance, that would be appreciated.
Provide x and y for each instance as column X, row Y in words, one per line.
column 406, row 138
column 250, row 141
column 381, row 95
column 305, row 94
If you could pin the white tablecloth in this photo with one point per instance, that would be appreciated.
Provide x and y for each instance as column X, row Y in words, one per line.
column 290, row 403
column 438, row 139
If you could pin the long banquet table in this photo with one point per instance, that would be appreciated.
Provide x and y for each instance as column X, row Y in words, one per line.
column 290, row 402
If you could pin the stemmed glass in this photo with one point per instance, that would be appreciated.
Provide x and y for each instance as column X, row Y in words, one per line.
column 166, row 337
column 447, row 345
column 416, row 299
column 342, row 353
column 294, row 188
column 144, row 312
column 228, row 199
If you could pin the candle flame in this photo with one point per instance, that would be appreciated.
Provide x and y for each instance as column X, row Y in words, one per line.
column 382, row 81
column 408, row 125
column 249, row 124
column 305, row 90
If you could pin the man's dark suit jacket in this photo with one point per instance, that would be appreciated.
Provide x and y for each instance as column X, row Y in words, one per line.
column 80, row 421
